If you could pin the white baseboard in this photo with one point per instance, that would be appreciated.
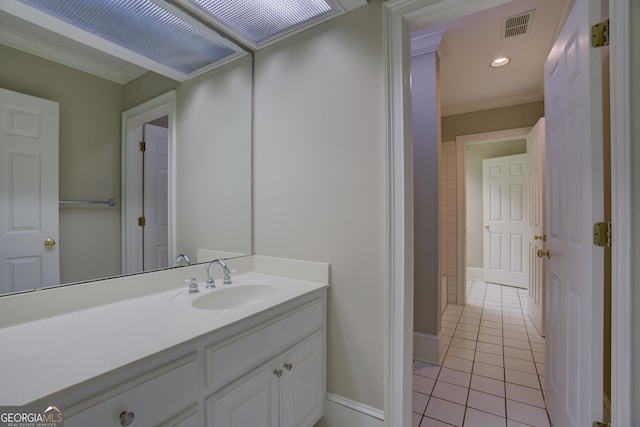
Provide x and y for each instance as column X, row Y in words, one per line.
column 475, row 273
column 342, row 412
column 426, row 348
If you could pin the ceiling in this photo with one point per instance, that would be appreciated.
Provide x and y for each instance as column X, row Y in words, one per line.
column 28, row 29
column 470, row 43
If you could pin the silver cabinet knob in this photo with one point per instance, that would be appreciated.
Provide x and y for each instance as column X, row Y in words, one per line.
column 277, row 373
column 126, row 418
column 288, row 366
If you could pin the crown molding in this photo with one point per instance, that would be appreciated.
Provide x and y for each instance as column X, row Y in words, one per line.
column 436, row 41
column 19, row 41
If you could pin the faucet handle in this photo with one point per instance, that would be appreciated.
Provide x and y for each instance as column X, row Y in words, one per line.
column 193, row 285
column 227, row 277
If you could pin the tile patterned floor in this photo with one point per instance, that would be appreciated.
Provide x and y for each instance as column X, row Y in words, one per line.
column 492, row 373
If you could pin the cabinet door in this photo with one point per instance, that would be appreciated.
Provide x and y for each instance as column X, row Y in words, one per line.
column 251, row 401
column 192, row 421
column 302, row 383
column 150, row 399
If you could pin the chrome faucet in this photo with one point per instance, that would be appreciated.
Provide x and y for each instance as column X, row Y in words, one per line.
column 227, row 273
column 180, row 257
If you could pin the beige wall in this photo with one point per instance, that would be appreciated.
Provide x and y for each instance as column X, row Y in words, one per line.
column 146, row 87
column 213, row 196
column 474, row 155
column 319, row 181
column 516, row 116
column 90, row 109
column 635, row 209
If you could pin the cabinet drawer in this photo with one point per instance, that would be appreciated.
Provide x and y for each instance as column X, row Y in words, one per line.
column 229, row 360
column 153, row 398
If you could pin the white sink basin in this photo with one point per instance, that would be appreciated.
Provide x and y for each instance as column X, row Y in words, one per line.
column 235, row 296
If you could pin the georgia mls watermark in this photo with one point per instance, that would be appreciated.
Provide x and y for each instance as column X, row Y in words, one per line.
column 28, row 416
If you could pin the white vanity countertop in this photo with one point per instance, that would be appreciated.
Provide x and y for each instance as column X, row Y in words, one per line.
column 44, row 356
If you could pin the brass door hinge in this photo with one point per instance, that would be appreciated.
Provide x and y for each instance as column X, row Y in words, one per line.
column 602, row 234
column 143, row 146
column 600, row 34
column 599, row 424
column 141, row 221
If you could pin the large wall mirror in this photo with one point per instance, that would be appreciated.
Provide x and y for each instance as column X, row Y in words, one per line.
column 207, row 131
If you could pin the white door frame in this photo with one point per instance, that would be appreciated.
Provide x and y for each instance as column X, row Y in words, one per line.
column 462, row 142
column 132, row 122
column 400, row 17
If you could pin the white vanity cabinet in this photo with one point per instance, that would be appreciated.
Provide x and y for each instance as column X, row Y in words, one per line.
column 265, row 370
column 288, row 391
column 152, row 399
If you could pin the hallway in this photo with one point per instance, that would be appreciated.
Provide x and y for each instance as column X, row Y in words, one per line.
column 493, row 366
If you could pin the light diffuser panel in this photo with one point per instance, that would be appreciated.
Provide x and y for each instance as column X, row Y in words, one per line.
column 261, row 19
column 143, row 27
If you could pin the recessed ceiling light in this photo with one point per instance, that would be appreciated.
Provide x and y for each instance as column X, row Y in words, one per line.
column 500, row 62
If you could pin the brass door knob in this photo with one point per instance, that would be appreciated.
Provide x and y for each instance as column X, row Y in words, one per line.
column 486, row 226
column 49, row 243
column 542, row 237
column 544, row 253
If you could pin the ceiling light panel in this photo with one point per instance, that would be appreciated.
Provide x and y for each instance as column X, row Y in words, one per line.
column 260, row 20
column 145, row 28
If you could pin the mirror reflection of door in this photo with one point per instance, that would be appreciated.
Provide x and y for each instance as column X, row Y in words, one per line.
column 29, row 253
column 155, row 208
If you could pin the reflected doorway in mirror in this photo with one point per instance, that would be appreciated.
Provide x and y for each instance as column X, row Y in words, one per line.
column 29, row 225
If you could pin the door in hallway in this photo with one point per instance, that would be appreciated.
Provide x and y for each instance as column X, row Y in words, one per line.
column 573, row 110
column 504, row 181
column 536, row 237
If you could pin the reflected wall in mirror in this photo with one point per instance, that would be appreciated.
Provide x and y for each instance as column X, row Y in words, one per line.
column 212, row 158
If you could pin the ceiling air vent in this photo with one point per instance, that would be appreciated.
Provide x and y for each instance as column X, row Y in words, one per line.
column 517, row 25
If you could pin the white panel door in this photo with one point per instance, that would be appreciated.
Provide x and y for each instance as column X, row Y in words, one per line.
column 573, row 109
column 505, row 218
column 28, row 192
column 536, row 238
column 156, row 191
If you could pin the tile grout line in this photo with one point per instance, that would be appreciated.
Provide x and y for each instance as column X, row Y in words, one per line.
column 504, row 364
column 435, row 382
column 475, row 350
column 535, row 365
